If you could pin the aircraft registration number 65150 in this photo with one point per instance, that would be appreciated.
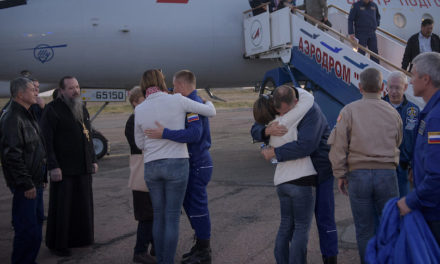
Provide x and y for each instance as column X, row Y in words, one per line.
column 103, row 95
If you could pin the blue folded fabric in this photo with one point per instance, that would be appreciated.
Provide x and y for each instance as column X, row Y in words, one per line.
column 402, row 240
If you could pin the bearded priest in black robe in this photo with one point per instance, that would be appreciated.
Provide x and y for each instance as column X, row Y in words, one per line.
column 71, row 162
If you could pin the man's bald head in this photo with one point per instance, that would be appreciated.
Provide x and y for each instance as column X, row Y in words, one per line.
column 284, row 98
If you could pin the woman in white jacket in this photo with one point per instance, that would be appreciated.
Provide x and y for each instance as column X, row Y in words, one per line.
column 294, row 179
column 166, row 161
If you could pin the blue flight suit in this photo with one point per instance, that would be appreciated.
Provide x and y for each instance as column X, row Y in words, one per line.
column 198, row 136
column 426, row 166
column 313, row 132
column 409, row 113
column 366, row 19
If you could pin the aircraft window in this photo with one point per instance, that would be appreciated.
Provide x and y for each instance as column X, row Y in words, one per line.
column 426, row 16
column 11, row 3
column 399, row 20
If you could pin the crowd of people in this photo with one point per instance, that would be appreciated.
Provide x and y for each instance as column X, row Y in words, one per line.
column 379, row 149
column 37, row 140
column 374, row 146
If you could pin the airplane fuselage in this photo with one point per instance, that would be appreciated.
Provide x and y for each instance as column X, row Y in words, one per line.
column 109, row 43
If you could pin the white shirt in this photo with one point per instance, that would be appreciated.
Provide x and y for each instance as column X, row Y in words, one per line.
column 293, row 169
column 170, row 111
column 424, row 43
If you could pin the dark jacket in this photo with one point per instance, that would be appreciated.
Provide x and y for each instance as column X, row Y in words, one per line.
column 366, row 18
column 35, row 110
column 68, row 147
column 426, row 170
column 23, row 154
column 313, row 132
column 413, row 49
column 129, row 134
column 409, row 113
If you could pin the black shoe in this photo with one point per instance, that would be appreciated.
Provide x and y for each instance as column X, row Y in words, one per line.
column 61, row 252
column 330, row 260
column 187, row 255
column 199, row 256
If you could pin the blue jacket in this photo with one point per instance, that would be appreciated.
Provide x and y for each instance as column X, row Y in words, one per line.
column 196, row 133
column 313, row 132
column 409, row 113
column 404, row 240
column 426, row 163
column 366, row 18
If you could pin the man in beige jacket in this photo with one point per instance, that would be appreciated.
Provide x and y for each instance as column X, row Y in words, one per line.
column 364, row 154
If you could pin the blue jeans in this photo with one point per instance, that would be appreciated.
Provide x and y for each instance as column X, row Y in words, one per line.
column 296, row 204
column 369, row 190
column 27, row 216
column 167, row 180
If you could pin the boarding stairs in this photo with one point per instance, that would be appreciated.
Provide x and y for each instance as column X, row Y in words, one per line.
column 324, row 60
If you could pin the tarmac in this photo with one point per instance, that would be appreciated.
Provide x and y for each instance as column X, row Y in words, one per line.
column 243, row 203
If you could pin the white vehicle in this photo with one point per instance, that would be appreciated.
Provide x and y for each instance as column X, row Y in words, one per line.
column 109, row 43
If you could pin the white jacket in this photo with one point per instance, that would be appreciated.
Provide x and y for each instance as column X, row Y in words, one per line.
column 170, row 111
column 293, row 169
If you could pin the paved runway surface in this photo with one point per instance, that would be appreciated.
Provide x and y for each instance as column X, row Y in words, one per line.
column 242, row 200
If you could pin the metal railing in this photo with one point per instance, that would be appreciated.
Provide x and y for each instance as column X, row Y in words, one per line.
column 354, row 44
column 323, row 26
column 380, row 29
column 258, row 7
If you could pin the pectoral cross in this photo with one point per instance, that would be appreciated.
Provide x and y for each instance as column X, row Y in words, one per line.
column 86, row 132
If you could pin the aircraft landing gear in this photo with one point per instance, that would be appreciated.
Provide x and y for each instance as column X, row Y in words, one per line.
column 100, row 144
column 268, row 86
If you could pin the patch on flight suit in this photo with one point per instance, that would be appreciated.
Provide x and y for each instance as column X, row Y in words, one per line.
column 411, row 118
column 339, row 118
column 361, row 8
column 191, row 117
column 433, row 137
column 422, row 127
column 373, row 8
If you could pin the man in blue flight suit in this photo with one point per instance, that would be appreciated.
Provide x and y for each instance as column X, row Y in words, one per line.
column 426, row 168
column 366, row 18
column 313, row 132
column 197, row 135
column 397, row 84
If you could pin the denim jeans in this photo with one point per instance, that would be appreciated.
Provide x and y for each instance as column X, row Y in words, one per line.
column 167, row 180
column 27, row 215
column 369, row 190
column 297, row 204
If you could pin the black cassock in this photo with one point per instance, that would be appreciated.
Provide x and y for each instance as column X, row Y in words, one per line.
column 70, row 148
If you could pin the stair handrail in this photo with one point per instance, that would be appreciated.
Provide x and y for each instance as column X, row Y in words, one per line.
column 379, row 28
column 354, row 44
column 257, row 7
